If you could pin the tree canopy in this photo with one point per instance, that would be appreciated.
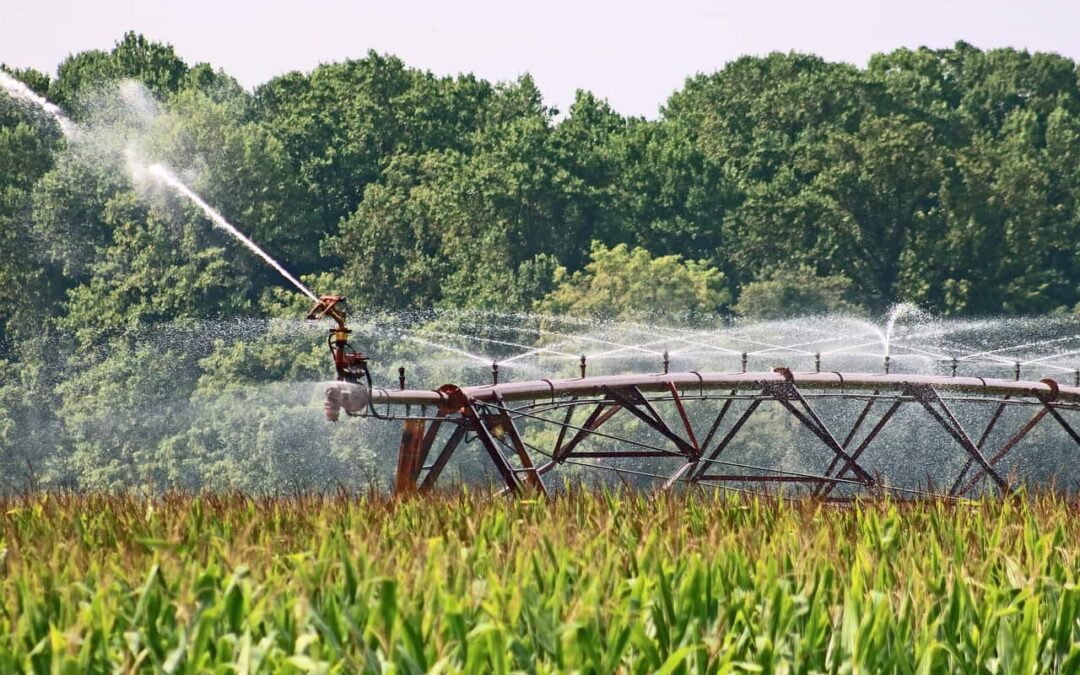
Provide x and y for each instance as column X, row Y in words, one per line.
column 782, row 183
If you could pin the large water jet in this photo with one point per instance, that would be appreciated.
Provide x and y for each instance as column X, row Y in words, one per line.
column 162, row 174
column 23, row 93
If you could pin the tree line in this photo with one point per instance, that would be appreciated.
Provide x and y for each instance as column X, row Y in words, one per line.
column 774, row 185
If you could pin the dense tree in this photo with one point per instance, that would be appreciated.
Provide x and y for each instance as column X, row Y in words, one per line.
column 630, row 284
column 793, row 291
column 783, row 183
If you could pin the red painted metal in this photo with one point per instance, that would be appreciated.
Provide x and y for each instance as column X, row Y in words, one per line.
column 493, row 415
column 752, row 381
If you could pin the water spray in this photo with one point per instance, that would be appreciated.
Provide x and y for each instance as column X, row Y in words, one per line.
column 21, row 92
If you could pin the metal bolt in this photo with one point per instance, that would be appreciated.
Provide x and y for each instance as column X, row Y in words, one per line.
column 494, row 372
column 667, row 362
column 583, row 366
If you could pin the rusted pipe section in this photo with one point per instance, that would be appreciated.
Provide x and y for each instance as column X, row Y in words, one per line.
column 351, row 398
column 752, row 381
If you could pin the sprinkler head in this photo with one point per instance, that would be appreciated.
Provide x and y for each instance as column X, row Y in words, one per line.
column 328, row 306
column 350, row 364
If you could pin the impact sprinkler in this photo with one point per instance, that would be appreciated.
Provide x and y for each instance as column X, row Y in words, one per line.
column 351, row 365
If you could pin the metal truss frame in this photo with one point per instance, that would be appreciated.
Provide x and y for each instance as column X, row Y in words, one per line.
column 495, row 417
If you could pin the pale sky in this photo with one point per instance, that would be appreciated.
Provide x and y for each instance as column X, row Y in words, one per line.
column 632, row 53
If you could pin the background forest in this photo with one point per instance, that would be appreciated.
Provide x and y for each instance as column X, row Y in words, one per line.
column 949, row 178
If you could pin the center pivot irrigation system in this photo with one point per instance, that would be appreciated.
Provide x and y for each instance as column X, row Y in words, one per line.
column 529, row 429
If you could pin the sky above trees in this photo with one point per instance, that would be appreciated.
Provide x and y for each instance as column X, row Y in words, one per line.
column 632, row 53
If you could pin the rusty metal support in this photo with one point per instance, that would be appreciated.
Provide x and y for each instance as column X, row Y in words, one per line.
column 731, row 434
column 716, row 423
column 787, row 392
column 862, row 446
column 429, row 441
column 1061, row 420
column 633, row 401
column 1009, row 445
column 685, row 418
column 478, row 424
column 851, row 434
column 495, row 414
column 563, row 427
column 409, row 456
column 953, row 491
column 596, row 419
column 532, row 477
column 443, row 459
column 754, row 478
column 927, row 396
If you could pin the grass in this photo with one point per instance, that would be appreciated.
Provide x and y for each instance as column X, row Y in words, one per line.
column 592, row 582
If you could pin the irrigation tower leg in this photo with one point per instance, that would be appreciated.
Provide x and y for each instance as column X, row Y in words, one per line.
column 410, row 456
column 436, row 469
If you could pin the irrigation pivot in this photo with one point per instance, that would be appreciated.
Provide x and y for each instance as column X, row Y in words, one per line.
column 832, row 435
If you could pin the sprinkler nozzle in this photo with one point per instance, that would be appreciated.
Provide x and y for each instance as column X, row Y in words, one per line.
column 332, row 404
column 327, row 306
column 351, row 365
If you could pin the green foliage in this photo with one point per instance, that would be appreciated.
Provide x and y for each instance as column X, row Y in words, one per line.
column 591, row 582
column 778, row 184
column 790, row 292
column 631, row 284
column 154, row 64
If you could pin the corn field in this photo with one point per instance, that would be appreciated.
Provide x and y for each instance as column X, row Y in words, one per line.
column 592, row 582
